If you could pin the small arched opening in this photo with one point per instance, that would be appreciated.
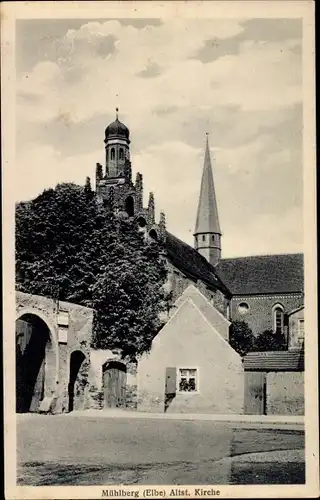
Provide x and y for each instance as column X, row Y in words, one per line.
column 121, row 154
column 129, row 206
column 75, row 386
column 112, row 154
column 153, row 234
column 35, row 363
column 142, row 222
column 114, row 384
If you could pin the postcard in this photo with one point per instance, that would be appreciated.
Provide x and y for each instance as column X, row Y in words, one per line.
column 159, row 229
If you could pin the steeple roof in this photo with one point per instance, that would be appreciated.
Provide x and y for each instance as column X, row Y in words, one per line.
column 207, row 216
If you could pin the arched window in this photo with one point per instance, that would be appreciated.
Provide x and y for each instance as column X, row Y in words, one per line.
column 228, row 311
column 212, row 237
column 113, row 154
column 121, row 155
column 278, row 317
column 153, row 234
column 203, row 237
column 141, row 222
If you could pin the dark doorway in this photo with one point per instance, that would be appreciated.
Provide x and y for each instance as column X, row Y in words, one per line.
column 32, row 339
column 114, row 384
column 76, row 360
column 130, row 206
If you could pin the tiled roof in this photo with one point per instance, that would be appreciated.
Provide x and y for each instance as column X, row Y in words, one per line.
column 192, row 264
column 274, row 361
column 263, row 274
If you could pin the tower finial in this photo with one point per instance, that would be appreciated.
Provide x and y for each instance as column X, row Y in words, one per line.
column 117, row 109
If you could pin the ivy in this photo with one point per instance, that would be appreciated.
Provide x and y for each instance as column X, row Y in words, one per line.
column 71, row 248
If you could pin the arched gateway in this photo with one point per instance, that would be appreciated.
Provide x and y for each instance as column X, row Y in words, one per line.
column 36, row 361
column 52, row 354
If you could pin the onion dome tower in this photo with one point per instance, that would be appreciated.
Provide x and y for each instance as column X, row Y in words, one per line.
column 117, row 148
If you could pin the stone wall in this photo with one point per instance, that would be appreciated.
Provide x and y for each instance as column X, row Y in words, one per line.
column 67, row 335
column 285, row 393
column 259, row 315
column 95, row 378
column 188, row 340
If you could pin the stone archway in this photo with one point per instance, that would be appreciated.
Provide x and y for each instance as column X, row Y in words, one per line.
column 75, row 386
column 36, row 362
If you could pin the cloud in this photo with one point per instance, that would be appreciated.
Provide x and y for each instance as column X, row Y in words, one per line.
column 169, row 97
column 266, row 234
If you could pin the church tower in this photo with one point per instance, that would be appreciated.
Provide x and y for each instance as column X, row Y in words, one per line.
column 117, row 148
column 115, row 188
column 207, row 234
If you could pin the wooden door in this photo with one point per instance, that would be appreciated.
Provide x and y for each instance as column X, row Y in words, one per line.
column 255, row 386
column 114, row 385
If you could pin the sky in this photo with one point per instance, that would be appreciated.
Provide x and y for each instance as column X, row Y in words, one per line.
column 173, row 80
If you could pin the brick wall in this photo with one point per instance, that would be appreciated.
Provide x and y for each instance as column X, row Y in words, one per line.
column 259, row 315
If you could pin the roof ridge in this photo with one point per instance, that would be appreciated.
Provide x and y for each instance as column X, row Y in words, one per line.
column 261, row 256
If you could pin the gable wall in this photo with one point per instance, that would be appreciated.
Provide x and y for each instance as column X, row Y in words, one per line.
column 189, row 341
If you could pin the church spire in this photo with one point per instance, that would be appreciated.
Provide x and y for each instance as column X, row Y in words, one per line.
column 207, row 232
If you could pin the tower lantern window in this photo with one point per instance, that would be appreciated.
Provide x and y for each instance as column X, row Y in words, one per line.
column 113, row 154
column 121, row 155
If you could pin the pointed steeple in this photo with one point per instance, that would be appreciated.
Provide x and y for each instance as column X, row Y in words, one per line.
column 207, row 231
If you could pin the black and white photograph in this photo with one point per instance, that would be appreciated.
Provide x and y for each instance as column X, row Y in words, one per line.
column 159, row 223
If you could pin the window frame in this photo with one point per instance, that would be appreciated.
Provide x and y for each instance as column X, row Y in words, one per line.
column 275, row 308
column 196, row 377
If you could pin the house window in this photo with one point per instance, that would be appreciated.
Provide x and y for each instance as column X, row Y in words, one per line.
column 188, row 380
column 278, row 319
column 300, row 332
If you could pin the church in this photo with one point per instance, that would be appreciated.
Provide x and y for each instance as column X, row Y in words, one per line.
column 191, row 367
column 261, row 290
